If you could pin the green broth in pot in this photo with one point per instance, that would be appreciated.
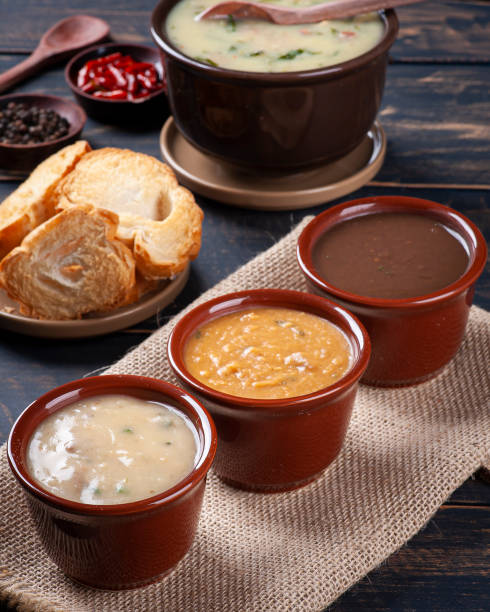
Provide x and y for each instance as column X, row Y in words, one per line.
column 258, row 46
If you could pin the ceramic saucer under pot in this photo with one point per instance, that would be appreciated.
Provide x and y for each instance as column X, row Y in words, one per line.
column 268, row 189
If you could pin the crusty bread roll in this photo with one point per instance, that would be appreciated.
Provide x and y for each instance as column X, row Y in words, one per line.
column 30, row 204
column 70, row 265
column 158, row 219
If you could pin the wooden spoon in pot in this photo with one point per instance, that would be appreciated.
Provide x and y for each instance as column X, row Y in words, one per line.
column 62, row 40
column 284, row 15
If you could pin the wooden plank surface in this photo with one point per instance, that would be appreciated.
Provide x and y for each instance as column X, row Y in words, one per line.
column 447, row 31
column 436, row 118
column 20, row 30
column 444, row 567
column 435, row 30
column 436, row 115
column 437, row 121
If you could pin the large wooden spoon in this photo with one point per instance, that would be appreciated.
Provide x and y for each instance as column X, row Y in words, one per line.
column 62, row 40
column 285, row 15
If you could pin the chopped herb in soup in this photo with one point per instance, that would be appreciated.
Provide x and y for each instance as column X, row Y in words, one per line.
column 112, row 449
column 258, row 46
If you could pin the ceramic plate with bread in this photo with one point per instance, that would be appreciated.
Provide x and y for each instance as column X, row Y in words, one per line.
column 93, row 230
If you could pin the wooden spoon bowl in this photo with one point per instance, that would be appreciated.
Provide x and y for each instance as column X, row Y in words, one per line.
column 60, row 42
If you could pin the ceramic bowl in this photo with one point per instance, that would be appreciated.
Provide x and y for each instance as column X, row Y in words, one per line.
column 115, row 546
column 132, row 113
column 274, row 120
column 273, row 445
column 23, row 158
column 412, row 338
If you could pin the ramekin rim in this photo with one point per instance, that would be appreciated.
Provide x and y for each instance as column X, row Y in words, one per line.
column 305, row 247
column 296, row 404
column 138, row 507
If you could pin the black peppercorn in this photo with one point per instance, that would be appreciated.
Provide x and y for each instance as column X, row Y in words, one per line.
column 23, row 124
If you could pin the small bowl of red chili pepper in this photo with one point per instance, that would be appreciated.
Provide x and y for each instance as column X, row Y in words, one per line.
column 118, row 83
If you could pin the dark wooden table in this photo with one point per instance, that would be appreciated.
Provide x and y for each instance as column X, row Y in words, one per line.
column 436, row 114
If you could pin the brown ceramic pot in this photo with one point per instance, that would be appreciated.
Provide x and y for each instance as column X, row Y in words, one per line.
column 115, row 546
column 275, row 445
column 412, row 338
column 280, row 120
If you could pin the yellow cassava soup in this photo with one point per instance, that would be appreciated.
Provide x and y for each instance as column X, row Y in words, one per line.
column 268, row 353
column 259, row 46
column 112, row 449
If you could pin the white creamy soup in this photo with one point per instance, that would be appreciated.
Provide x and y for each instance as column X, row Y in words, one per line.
column 112, row 449
column 259, row 46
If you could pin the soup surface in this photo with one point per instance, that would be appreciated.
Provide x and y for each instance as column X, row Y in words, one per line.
column 268, row 353
column 390, row 255
column 259, row 46
column 112, row 449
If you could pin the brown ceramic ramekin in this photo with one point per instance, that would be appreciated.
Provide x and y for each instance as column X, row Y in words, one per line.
column 412, row 338
column 125, row 545
column 275, row 445
column 280, row 120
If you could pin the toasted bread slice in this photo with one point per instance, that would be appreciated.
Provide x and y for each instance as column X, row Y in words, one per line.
column 158, row 219
column 70, row 265
column 30, row 204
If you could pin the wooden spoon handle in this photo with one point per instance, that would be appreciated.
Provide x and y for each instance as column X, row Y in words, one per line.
column 338, row 9
column 22, row 70
column 285, row 15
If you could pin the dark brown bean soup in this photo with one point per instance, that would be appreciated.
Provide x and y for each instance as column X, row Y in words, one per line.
column 390, row 255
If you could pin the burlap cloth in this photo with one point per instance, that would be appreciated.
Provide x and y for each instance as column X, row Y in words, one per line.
column 406, row 451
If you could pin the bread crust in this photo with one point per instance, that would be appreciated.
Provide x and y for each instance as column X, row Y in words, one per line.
column 158, row 219
column 70, row 265
column 31, row 203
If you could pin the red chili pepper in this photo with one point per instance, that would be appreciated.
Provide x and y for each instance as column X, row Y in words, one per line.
column 118, row 77
column 82, row 77
column 104, row 82
column 117, row 94
column 132, row 83
column 126, row 59
column 106, row 59
column 145, row 81
column 141, row 66
column 88, row 87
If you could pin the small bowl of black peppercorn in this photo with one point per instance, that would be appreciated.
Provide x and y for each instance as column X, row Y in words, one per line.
column 33, row 127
